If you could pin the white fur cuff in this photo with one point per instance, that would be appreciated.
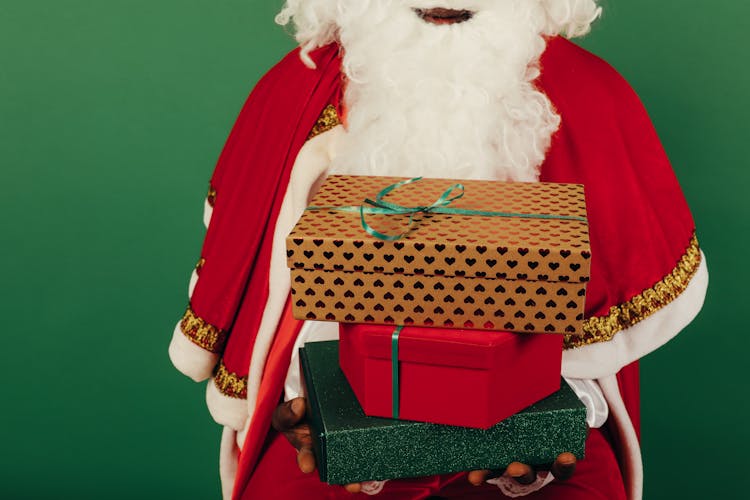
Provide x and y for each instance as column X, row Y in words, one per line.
column 602, row 359
column 230, row 412
column 189, row 359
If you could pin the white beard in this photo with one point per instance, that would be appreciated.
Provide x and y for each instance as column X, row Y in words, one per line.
column 452, row 101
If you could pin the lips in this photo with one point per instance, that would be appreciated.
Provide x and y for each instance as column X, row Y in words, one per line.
column 440, row 15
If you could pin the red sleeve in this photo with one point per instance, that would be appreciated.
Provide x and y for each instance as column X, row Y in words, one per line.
column 640, row 225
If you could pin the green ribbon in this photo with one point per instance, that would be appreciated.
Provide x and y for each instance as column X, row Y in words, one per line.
column 395, row 395
column 440, row 206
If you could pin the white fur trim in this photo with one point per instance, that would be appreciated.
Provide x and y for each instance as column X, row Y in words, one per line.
column 630, row 459
column 309, row 169
column 231, row 412
column 189, row 359
column 208, row 211
column 242, row 434
column 607, row 358
column 511, row 488
column 228, row 459
column 193, row 282
column 590, row 394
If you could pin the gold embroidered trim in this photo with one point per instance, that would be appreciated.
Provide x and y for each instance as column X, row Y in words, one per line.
column 199, row 265
column 643, row 305
column 230, row 384
column 201, row 333
column 211, row 196
column 328, row 119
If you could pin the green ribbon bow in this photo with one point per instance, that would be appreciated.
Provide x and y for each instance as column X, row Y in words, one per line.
column 440, row 206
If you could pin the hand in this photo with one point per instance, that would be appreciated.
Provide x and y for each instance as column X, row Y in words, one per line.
column 562, row 469
column 289, row 419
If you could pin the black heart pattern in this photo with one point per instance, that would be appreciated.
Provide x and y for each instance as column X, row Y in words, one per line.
column 474, row 272
column 328, row 240
column 379, row 254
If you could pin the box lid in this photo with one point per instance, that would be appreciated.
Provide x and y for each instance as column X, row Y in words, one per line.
column 446, row 346
column 524, row 248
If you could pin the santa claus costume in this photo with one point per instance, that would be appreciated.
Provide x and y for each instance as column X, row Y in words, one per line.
column 551, row 112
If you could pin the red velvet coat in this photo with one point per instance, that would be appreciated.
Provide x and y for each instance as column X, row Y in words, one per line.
column 640, row 224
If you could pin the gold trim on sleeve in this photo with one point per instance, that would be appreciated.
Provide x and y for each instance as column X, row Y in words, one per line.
column 230, row 384
column 202, row 333
column 211, row 196
column 328, row 119
column 643, row 305
column 199, row 265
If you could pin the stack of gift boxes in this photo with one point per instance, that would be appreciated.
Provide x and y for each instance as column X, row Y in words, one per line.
column 452, row 298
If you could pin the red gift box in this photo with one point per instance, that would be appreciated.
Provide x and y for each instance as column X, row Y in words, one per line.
column 456, row 377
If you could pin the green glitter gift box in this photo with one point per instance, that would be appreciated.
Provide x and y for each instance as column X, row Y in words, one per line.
column 351, row 447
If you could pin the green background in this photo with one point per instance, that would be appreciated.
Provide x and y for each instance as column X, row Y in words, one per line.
column 111, row 117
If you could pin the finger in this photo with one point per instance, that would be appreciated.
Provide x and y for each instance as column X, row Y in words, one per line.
column 522, row 473
column 564, row 466
column 477, row 477
column 306, row 460
column 288, row 415
column 353, row 487
column 299, row 436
